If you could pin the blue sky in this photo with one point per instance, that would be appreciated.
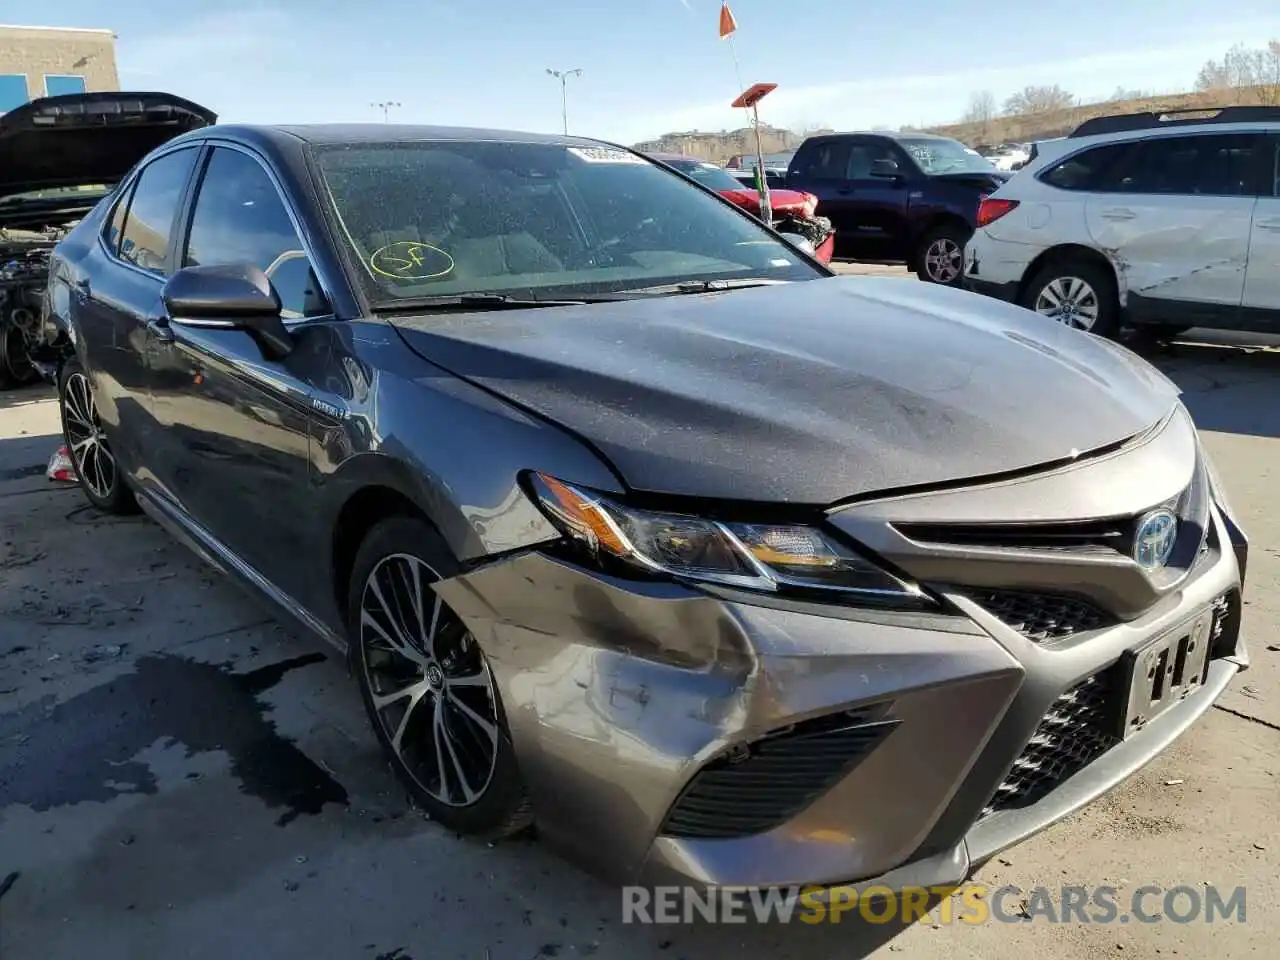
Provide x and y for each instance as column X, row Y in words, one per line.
column 652, row 66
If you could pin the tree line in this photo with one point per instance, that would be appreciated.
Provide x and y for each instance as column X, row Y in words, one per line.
column 1243, row 75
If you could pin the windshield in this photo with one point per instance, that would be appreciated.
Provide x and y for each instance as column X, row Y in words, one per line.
column 939, row 155
column 536, row 220
column 708, row 174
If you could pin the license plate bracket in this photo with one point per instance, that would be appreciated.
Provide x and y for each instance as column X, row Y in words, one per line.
column 1166, row 670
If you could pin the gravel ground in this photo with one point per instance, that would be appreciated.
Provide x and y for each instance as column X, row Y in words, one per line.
column 181, row 777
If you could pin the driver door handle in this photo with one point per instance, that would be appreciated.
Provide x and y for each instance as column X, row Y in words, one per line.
column 1118, row 213
column 159, row 329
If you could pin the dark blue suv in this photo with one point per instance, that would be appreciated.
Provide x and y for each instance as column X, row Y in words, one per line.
column 905, row 197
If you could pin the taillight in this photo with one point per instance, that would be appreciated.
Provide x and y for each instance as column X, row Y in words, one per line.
column 991, row 209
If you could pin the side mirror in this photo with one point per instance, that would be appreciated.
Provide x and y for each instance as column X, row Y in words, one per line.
column 886, row 169
column 236, row 295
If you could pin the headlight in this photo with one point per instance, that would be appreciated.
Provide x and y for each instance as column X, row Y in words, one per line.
column 768, row 557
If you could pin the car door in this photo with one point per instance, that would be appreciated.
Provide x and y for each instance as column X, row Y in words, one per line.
column 1175, row 213
column 1262, row 278
column 819, row 167
column 876, row 225
column 116, row 296
column 235, row 415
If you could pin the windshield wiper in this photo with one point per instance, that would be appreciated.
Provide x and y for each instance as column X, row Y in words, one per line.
column 478, row 301
column 707, row 286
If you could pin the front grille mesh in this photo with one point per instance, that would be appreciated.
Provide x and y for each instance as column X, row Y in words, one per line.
column 1080, row 727
column 758, row 786
column 1043, row 617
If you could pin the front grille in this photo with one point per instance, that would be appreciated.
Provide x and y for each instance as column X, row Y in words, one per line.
column 757, row 786
column 1043, row 617
column 1080, row 726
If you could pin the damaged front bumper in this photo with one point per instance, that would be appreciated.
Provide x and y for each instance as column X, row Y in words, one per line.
column 673, row 735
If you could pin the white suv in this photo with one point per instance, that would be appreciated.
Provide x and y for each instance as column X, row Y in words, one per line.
column 1141, row 219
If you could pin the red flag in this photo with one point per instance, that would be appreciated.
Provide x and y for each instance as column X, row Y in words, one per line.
column 727, row 24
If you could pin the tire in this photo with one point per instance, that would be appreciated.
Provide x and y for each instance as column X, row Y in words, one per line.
column 450, row 691
column 939, row 256
column 97, row 472
column 1096, row 306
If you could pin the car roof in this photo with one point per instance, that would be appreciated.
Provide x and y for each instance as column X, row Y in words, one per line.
column 887, row 134
column 339, row 133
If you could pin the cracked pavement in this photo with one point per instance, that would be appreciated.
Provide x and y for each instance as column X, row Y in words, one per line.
column 180, row 776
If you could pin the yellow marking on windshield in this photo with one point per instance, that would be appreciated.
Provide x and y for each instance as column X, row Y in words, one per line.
column 411, row 260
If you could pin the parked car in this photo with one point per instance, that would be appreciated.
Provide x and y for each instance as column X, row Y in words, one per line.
column 1163, row 221
column 1008, row 156
column 904, row 197
column 603, row 490
column 793, row 211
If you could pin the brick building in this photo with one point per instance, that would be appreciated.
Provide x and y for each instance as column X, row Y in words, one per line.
column 43, row 61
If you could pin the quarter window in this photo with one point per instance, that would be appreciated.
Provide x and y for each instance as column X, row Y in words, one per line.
column 1087, row 170
column 1220, row 165
column 145, row 238
column 116, row 227
column 240, row 218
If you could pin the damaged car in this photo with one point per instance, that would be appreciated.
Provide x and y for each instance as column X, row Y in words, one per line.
column 634, row 522
column 59, row 157
column 794, row 211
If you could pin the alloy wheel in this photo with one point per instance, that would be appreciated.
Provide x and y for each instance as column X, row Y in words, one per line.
column 1069, row 300
column 87, row 444
column 431, row 689
column 943, row 260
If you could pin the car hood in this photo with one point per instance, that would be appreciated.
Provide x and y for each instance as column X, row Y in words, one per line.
column 88, row 138
column 808, row 392
column 780, row 201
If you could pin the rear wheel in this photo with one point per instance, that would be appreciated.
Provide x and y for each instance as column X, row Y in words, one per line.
column 96, row 469
column 427, row 686
column 1077, row 293
column 940, row 255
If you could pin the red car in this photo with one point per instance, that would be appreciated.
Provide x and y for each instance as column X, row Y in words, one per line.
column 793, row 211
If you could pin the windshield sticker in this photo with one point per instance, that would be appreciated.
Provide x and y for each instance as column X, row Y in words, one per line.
column 411, row 260
column 605, row 155
column 779, row 262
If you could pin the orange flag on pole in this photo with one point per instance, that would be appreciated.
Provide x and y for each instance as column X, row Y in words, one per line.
column 727, row 24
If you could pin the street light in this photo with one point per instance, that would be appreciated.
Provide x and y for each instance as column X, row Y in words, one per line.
column 385, row 107
column 563, row 76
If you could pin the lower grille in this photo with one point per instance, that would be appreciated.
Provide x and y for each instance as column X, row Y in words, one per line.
column 1043, row 617
column 757, row 786
column 1080, row 726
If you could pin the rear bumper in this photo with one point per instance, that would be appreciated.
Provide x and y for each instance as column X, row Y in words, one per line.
column 637, row 711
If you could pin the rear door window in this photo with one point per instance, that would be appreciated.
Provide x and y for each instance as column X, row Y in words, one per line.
column 1206, row 165
column 828, row 160
column 144, row 241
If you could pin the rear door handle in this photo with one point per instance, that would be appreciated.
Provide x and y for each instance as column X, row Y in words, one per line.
column 1118, row 213
column 159, row 329
column 1270, row 225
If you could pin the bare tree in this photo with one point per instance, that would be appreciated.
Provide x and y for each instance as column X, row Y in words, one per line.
column 1040, row 99
column 981, row 109
column 1123, row 93
column 811, row 127
column 1244, row 74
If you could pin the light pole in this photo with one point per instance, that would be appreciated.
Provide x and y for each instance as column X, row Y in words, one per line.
column 385, row 107
column 563, row 76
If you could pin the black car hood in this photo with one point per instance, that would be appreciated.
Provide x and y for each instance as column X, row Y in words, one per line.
column 88, row 138
column 807, row 392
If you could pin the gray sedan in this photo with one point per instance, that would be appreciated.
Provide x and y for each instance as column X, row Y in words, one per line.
column 635, row 522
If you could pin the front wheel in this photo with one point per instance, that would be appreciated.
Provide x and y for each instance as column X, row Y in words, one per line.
column 940, row 255
column 96, row 469
column 427, row 686
column 1076, row 293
